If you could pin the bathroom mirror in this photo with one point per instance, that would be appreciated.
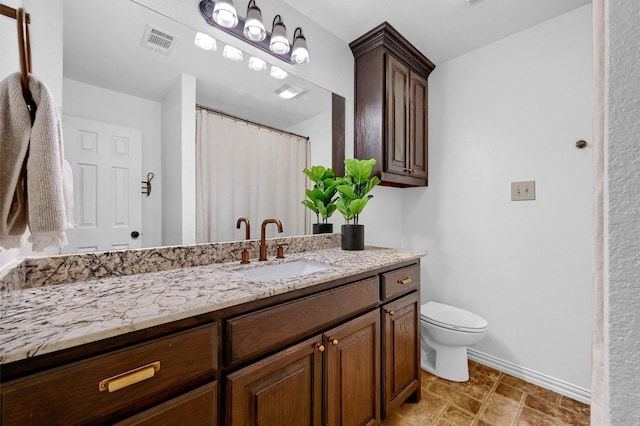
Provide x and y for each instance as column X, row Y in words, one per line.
column 111, row 77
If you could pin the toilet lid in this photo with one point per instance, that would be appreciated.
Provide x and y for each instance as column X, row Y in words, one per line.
column 451, row 317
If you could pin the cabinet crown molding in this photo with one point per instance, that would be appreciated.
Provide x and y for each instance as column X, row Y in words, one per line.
column 387, row 36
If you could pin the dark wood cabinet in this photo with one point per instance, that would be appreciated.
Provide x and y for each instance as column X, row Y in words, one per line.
column 401, row 351
column 110, row 387
column 197, row 407
column 334, row 376
column 352, row 371
column 344, row 352
column 391, row 106
column 283, row 389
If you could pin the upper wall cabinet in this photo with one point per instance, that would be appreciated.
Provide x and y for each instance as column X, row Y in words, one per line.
column 391, row 106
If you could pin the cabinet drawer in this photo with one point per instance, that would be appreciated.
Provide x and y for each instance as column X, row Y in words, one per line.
column 268, row 329
column 198, row 407
column 72, row 394
column 400, row 281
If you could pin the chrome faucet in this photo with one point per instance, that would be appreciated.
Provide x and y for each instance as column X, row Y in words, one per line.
column 263, row 244
column 247, row 227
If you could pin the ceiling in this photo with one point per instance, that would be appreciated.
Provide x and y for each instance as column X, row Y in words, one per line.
column 110, row 56
column 440, row 29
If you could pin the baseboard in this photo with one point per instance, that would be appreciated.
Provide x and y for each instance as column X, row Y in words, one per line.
column 542, row 380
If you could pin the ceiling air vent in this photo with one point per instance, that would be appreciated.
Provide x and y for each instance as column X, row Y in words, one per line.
column 158, row 40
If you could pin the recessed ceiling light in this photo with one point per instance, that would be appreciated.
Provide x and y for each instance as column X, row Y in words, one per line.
column 289, row 92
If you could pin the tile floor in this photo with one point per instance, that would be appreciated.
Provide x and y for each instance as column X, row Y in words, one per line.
column 490, row 397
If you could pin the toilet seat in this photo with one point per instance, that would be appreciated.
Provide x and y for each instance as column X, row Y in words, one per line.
column 452, row 318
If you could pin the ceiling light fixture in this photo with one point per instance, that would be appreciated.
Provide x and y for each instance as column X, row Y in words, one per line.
column 224, row 13
column 299, row 53
column 257, row 64
column 279, row 44
column 232, row 54
column 278, row 73
column 253, row 26
column 289, row 92
column 205, row 41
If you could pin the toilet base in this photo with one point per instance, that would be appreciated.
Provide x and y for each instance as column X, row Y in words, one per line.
column 450, row 363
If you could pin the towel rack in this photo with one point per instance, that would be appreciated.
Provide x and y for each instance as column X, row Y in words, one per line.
column 24, row 48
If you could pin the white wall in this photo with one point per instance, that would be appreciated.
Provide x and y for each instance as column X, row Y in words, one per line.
column 622, row 222
column 45, row 33
column 95, row 103
column 512, row 111
column 178, row 160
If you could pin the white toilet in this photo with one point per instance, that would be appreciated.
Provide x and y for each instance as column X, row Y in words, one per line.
column 445, row 334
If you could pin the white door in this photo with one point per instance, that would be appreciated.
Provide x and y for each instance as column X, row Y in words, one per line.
column 106, row 163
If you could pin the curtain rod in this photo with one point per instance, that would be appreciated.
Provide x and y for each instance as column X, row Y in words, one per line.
column 244, row 120
column 12, row 13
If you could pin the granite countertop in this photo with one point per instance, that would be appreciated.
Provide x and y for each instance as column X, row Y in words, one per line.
column 45, row 319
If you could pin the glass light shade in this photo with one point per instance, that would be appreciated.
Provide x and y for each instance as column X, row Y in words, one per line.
column 278, row 73
column 253, row 27
column 279, row 43
column 300, row 53
column 257, row 64
column 232, row 54
column 224, row 13
column 205, row 41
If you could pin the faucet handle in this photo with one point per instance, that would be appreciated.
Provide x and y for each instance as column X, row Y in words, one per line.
column 281, row 250
column 244, row 257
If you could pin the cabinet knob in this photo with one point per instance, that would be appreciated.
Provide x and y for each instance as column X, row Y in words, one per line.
column 391, row 313
column 318, row 347
column 334, row 342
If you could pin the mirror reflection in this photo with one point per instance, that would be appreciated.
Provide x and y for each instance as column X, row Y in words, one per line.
column 132, row 79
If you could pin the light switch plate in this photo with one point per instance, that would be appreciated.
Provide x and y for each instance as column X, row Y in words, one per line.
column 521, row 191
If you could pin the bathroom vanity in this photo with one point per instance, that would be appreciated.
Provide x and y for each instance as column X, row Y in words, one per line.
column 212, row 345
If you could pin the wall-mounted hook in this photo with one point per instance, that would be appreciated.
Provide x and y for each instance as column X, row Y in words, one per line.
column 146, row 184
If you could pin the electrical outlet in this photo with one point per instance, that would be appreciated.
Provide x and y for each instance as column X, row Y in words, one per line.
column 523, row 190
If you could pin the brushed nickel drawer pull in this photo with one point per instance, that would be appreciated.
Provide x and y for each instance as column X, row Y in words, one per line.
column 129, row 378
column 405, row 280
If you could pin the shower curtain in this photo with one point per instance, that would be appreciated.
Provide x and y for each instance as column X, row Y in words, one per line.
column 243, row 170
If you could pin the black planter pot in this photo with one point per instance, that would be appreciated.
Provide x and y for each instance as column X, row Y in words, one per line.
column 352, row 237
column 323, row 228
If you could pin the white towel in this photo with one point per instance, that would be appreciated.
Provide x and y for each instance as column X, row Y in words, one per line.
column 38, row 193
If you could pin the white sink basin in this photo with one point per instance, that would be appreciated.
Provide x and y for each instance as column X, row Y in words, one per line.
column 285, row 270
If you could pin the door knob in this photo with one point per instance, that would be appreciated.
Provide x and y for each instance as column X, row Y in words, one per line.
column 135, row 234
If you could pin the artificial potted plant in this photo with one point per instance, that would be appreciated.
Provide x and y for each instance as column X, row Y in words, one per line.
column 321, row 198
column 354, row 195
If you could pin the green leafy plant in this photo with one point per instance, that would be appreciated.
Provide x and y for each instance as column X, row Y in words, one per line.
column 321, row 198
column 354, row 188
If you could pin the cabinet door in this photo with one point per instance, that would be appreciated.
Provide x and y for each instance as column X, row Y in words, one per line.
column 401, row 351
column 352, row 371
column 397, row 116
column 417, row 145
column 195, row 408
column 283, row 389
